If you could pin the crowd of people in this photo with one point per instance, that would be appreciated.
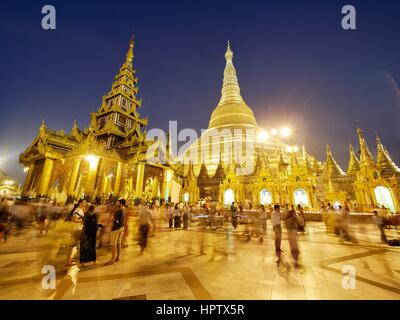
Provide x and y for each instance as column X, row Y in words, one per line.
column 87, row 226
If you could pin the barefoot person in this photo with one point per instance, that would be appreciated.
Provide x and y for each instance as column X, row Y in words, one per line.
column 276, row 225
column 76, row 217
column 145, row 221
column 116, row 232
column 292, row 226
column 88, row 238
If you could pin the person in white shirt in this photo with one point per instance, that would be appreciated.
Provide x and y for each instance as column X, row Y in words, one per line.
column 276, row 225
column 145, row 221
column 77, row 220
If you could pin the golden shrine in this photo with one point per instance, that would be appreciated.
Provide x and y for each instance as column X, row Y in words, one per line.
column 109, row 157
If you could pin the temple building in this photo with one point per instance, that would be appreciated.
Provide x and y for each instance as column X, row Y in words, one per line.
column 108, row 157
column 233, row 160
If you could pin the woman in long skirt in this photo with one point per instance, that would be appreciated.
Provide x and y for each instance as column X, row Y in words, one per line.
column 88, row 238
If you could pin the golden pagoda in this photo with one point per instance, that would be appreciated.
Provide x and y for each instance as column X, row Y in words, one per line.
column 280, row 173
column 109, row 158
column 106, row 158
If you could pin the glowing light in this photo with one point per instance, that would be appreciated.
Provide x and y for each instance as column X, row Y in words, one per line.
column 285, row 132
column 274, row 132
column 186, row 197
column 262, row 135
column 110, row 176
column 289, row 149
column 26, row 169
column 93, row 161
column 295, row 148
column 8, row 182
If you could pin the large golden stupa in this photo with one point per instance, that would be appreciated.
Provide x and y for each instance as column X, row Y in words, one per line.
column 281, row 173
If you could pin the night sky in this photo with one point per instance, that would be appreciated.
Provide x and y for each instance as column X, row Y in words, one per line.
column 296, row 66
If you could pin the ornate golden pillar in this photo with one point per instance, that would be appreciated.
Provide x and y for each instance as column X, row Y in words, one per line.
column 118, row 177
column 46, row 176
column 139, row 179
column 166, row 184
column 92, row 175
column 28, row 180
column 74, row 176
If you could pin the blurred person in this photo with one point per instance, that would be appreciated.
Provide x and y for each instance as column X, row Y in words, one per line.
column 344, row 224
column 88, row 237
column 264, row 218
column 76, row 217
column 126, row 226
column 185, row 217
column 276, row 225
column 177, row 217
column 301, row 218
column 169, row 214
column 145, row 222
column 4, row 220
column 292, row 226
column 258, row 224
column 378, row 220
column 234, row 215
column 116, row 232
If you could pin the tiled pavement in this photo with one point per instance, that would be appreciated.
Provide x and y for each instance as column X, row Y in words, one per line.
column 174, row 267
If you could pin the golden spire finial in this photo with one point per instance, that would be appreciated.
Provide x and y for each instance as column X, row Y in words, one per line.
column 365, row 156
column 383, row 159
column 229, row 53
column 354, row 163
column 328, row 150
column 129, row 54
column 332, row 167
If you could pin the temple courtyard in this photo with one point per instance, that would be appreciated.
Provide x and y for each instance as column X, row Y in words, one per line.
column 206, row 265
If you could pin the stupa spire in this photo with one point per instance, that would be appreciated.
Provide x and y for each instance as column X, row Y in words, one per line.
column 129, row 54
column 354, row 163
column 365, row 154
column 306, row 161
column 384, row 161
column 230, row 86
column 331, row 166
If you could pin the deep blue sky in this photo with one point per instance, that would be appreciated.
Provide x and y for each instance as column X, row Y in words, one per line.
column 295, row 64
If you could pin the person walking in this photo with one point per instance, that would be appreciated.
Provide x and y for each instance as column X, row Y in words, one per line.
column 261, row 223
column 276, row 225
column 88, row 237
column 145, row 221
column 292, row 226
column 125, row 233
column 177, row 216
column 169, row 215
column 301, row 218
column 380, row 225
column 116, row 232
column 76, row 217
column 234, row 215
column 185, row 216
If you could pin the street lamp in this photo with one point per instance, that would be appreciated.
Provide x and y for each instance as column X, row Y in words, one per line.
column 93, row 161
column 262, row 136
column 285, row 132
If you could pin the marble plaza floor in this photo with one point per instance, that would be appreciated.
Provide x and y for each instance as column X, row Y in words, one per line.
column 195, row 264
